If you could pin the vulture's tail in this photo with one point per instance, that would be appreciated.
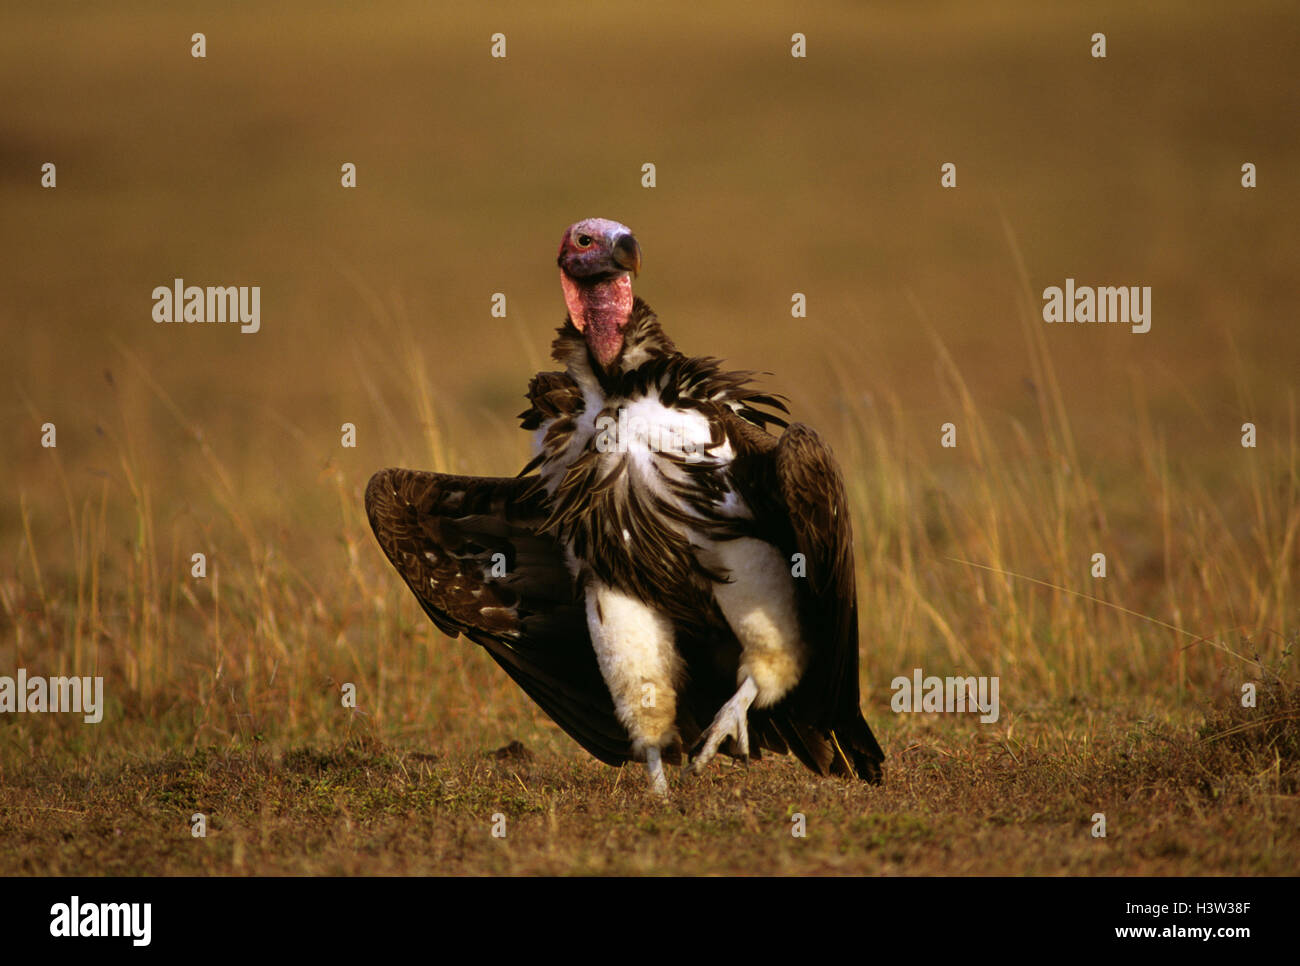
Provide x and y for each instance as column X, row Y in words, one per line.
column 856, row 753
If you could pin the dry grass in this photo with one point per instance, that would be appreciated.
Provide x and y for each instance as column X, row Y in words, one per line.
column 959, row 800
column 1118, row 695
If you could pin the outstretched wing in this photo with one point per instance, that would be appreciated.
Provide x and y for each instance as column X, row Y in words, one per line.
column 795, row 484
column 469, row 549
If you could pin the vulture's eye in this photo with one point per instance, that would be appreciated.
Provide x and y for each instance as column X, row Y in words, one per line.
column 584, row 241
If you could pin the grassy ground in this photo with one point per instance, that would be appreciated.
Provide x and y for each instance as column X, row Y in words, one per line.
column 1120, row 695
column 1177, row 800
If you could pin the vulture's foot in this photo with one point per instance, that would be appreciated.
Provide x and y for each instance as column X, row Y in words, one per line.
column 730, row 722
column 654, row 768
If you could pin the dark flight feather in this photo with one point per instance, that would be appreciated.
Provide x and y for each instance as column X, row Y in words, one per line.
column 441, row 532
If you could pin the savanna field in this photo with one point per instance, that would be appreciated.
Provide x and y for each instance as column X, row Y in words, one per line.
column 224, row 694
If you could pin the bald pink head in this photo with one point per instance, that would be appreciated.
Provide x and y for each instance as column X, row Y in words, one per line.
column 597, row 260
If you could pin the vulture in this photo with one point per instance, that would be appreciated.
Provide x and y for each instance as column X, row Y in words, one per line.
column 667, row 577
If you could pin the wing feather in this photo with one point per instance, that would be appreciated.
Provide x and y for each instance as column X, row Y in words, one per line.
column 470, row 550
column 794, row 484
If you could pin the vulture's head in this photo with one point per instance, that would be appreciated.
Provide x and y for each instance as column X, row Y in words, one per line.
column 597, row 248
column 597, row 259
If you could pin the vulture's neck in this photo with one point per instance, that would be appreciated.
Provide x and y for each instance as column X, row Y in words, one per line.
column 600, row 310
column 643, row 341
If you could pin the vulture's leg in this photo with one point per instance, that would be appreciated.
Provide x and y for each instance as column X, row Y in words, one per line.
column 639, row 661
column 760, row 606
column 655, row 771
column 731, row 721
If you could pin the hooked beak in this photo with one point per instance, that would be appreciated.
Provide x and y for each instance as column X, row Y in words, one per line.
column 627, row 253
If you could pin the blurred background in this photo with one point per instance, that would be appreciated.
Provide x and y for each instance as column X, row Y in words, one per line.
column 775, row 175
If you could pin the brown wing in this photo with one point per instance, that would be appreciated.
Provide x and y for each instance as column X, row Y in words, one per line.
column 551, row 395
column 469, row 549
column 795, row 485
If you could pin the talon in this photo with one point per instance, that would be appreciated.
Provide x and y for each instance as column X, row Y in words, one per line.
column 731, row 721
